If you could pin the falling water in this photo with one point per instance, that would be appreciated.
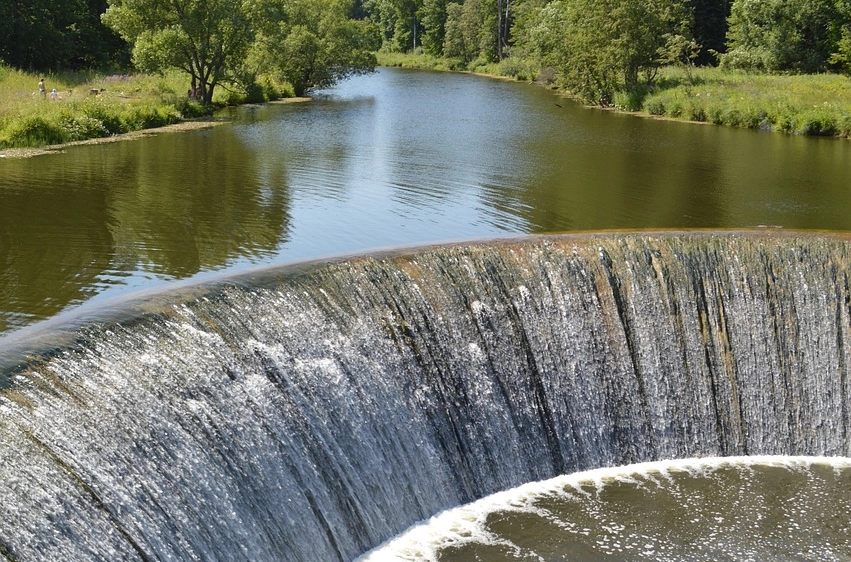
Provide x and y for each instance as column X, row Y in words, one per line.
column 313, row 413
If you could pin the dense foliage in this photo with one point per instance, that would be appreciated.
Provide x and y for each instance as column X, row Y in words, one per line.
column 309, row 43
column 602, row 51
column 312, row 43
column 787, row 35
column 44, row 35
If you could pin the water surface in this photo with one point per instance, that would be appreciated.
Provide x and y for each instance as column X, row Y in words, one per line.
column 395, row 158
column 733, row 509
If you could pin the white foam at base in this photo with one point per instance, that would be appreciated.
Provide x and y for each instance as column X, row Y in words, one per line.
column 466, row 524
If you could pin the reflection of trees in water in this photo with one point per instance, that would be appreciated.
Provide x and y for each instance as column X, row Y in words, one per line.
column 193, row 206
column 172, row 205
column 54, row 241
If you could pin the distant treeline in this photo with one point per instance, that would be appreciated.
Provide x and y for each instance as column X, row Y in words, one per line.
column 495, row 29
column 45, row 35
column 593, row 48
column 596, row 48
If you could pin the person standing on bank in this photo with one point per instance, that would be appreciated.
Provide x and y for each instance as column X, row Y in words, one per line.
column 41, row 89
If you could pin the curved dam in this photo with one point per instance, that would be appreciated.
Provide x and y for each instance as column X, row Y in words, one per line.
column 312, row 413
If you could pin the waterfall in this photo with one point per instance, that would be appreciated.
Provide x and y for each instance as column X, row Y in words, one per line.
column 315, row 412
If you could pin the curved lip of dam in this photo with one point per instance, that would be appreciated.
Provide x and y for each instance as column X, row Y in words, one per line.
column 20, row 347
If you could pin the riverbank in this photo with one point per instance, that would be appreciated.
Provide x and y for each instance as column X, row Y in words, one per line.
column 188, row 125
column 77, row 108
column 810, row 105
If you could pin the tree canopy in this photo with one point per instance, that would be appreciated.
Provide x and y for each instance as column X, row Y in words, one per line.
column 594, row 48
column 43, row 35
column 208, row 39
column 315, row 43
column 310, row 43
column 786, row 35
column 599, row 47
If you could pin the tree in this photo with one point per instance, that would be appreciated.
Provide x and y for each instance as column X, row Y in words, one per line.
column 710, row 28
column 471, row 31
column 600, row 47
column 503, row 27
column 783, row 35
column 525, row 16
column 57, row 34
column 97, row 46
column 208, row 39
column 433, row 16
column 407, row 32
column 314, row 44
column 398, row 20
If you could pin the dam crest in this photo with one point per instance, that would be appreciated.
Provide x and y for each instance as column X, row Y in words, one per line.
column 320, row 411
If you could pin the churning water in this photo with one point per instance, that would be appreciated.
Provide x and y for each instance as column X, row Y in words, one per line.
column 731, row 509
column 315, row 413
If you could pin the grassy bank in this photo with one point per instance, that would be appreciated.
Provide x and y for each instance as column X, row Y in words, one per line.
column 90, row 106
column 87, row 106
column 798, row 104
column 795, row 104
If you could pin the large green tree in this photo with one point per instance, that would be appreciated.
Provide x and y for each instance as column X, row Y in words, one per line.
column 784, row 35
column 398, row 22
column 315, row 43
column 432, row 14
column 208, row 39
column 471, row 31
column 600, row 47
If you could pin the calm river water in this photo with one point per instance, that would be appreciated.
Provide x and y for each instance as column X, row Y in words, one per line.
column 394, row 158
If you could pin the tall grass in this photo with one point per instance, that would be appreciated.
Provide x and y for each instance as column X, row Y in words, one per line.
column 88, row 105
column 798, row 104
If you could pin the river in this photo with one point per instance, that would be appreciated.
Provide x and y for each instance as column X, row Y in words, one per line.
column 276, row 354
column 385, row 160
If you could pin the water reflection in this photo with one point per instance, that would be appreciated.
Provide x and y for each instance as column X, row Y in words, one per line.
column 76, row 225
column 395, row 158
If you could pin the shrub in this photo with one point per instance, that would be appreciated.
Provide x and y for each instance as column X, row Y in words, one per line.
column 745, row 118
column 34, row 131
column 655, row 107
column 628, row 101
column 816, row 122
column 843, row 126
column 107, row 116
column 517, row 68
column 83, row 127
column 716, row 115
column 697, row 113
column 148, row 117
column 675, row 109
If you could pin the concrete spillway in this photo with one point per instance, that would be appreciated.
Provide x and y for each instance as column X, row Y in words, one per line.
column 311, row 414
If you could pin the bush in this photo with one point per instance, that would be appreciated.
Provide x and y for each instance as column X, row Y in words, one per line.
column 716, row 115
column 817, row 123
column 190, row 109
column 106, row 115
column 517, row 68
column 697, row 113
column 751, row 60
column 655, row 107
column 149, row 117
column 843, row 126
column 675, row 109
column 82, row 127
column 34, row 131
column 633, row 100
